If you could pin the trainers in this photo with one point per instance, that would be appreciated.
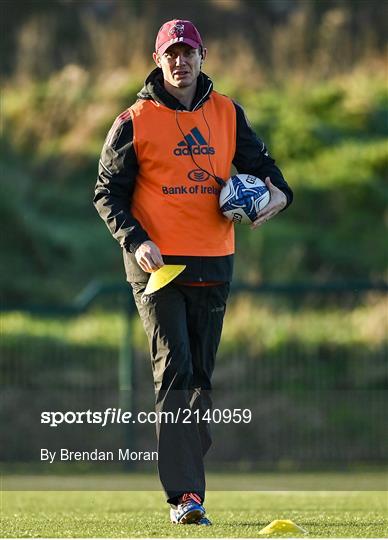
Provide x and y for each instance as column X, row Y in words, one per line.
column 189, row 510
column 204, row 521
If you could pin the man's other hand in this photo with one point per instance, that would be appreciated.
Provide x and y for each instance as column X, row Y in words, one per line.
column 277, row 202
column 148, row 257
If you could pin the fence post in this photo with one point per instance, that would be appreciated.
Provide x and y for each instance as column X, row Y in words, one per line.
column 125, row 378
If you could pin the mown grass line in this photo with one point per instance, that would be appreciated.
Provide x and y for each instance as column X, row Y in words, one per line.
column 234, row 514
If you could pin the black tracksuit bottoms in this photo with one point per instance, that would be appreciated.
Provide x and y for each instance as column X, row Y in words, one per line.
column 183, row 325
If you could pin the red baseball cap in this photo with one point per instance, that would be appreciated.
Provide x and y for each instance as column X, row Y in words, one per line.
column 177, row 31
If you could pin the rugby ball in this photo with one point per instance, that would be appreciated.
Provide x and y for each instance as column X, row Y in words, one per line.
column 243, row 197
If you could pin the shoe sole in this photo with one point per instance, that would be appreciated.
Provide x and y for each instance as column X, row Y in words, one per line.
column 191, row 517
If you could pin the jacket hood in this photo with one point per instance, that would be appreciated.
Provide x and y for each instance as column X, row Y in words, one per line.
column 154, row 89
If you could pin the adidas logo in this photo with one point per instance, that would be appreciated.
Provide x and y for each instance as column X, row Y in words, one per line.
column 193, row 143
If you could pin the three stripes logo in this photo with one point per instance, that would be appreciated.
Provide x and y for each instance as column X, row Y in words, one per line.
column 193, row 143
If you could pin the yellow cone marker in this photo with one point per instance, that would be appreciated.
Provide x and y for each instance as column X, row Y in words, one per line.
column 164, row 275
column 282, row 527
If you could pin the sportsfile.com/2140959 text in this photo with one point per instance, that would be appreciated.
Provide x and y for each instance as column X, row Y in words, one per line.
column 118, row 416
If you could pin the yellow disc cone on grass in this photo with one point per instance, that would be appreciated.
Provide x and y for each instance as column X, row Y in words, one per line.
column 282, row 527
column 163, row 276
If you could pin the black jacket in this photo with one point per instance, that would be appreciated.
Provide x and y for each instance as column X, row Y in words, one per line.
column 117, row 177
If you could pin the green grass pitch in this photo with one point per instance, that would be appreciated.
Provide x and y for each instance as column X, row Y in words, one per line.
column 119, row 514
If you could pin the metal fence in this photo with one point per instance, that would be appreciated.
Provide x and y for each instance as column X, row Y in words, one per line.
column 311, row 405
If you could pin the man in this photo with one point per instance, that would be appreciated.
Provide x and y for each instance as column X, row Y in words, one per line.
column 179, row 138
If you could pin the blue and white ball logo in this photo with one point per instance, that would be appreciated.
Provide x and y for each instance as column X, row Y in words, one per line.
column 243, row 197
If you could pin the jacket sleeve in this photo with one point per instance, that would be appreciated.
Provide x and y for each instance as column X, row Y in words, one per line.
column 116, row 180
column 251, row 156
